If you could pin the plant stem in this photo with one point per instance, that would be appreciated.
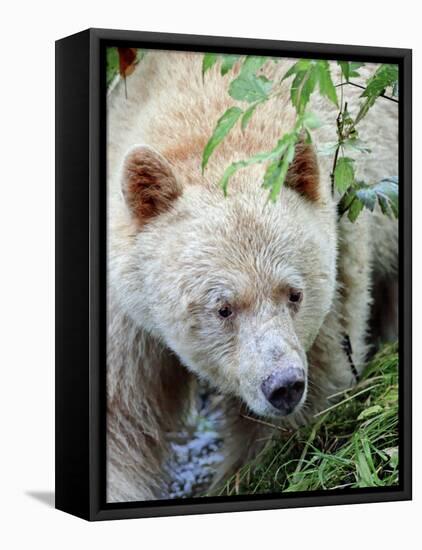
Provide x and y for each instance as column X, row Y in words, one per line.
column 333, row 169
column 339, row 144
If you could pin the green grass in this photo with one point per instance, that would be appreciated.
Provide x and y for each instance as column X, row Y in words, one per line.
column 353, row 444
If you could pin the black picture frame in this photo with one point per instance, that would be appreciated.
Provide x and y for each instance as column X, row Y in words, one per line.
column 81, row 273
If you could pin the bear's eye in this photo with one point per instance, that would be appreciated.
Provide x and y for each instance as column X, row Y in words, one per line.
column 225, row 311
column 295, row 296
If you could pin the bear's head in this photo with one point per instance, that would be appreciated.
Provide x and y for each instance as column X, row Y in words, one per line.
column 236, row 287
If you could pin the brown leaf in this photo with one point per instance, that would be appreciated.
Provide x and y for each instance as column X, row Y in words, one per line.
column 127, row 61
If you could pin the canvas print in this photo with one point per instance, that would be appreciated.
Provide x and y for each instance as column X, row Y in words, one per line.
column 252, row 275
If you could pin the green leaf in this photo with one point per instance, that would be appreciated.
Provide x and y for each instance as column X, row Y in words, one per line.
column 228, row 62
column 303, row 84
column 224, row 125
column 276, row 173
column 383, row 205
column 308, row 137
column 356, row 144
column 385, row 76
column 367, row 196
column 285, row 163
column 387, row 191
column 208, row 61
column 259, row 158
column 283, row 144
column 344, row 174
column 235, row 166
column 345, row 202
column 354, row 209
column 228, row 173
column 112, row 64
column 307, row 75
column 302, row 87
column 361, row 195
column 354, row 66
column 310, row 121
column 349, row 69
column 326, row 85
column 250, row 88
column 300, row 66
column 252, row 64
column 248, row 114
column 328, row 148
column 345, row 69
column 271, row 174
column 370, row 411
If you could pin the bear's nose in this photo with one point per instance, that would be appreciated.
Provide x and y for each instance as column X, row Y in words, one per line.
column 284, row 388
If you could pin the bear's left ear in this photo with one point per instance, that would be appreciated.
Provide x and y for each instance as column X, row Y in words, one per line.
column 303, row 173
column 148, row 183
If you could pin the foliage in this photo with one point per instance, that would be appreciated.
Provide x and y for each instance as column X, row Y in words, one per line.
column 278, row 159
column 121, row 61
column 349, row 69
column 360, row 195
column 307, row 76
column 224, row 125
column 384, row 77
column 353, row 443
column 112, row 60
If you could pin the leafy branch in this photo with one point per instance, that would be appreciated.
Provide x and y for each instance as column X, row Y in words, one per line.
column 308, row 76
column 363, row 88
column 360, row 195
column 255, row 89
column 357, row 195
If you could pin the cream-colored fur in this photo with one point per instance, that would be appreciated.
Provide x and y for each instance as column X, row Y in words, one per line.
column 167, row 278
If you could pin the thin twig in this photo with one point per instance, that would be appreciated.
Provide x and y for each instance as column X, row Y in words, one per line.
column 364, row 88
column 333, row 169
column 340, row 143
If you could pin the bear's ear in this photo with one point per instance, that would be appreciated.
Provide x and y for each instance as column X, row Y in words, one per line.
column 148, row 183
column 303, row 173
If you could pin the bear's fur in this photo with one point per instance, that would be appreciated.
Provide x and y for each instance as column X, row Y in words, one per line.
column 178, row 251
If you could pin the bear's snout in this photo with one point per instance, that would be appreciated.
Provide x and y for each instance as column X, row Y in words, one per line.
column 284, row 388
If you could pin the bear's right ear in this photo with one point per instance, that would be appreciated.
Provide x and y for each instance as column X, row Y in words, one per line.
column 148, row 183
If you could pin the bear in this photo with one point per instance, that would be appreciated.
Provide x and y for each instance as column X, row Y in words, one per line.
column 269, row 303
